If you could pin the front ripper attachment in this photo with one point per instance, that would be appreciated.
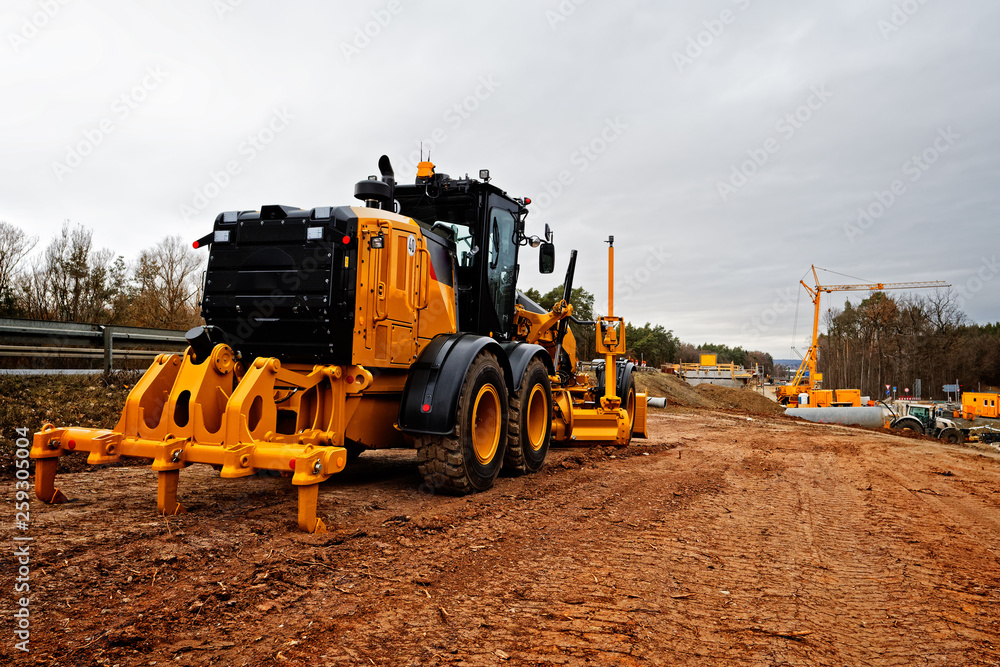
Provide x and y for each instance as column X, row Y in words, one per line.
column 209, row 410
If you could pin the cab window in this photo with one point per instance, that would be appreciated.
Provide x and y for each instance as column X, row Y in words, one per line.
column 501, row 270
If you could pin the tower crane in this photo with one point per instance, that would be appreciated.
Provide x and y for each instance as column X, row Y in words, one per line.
column 800, row 384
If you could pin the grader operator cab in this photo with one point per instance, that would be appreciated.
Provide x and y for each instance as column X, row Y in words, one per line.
column 334, row 330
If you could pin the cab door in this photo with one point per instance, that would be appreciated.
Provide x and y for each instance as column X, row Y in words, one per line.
column 392, row 287
column 501, row 266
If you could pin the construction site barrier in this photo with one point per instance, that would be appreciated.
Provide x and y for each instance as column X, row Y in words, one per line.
column 40, row 347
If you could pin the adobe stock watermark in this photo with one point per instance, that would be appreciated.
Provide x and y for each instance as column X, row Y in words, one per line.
column 582, row 158
column 901, row 14
column 224, row 7
column 703, row 40
column 370, row 30
column 786, row 126
column 121, row 108
column 987, row 271
column 32, row 25
column 561, row 13
column 783, row 303
column 22, row 542
column 914, row 168
column 247, row 151
column 454, row 117
column 631, row 283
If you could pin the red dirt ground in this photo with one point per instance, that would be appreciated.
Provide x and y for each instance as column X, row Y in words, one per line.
column 724, row 538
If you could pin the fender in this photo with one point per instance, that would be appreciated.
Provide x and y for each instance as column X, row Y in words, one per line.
column 520, row 354
column 436, row 379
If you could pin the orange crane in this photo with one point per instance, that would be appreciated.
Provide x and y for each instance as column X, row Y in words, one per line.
column 800, row 384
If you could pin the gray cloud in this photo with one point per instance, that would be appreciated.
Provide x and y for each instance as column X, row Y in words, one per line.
column 380, row 77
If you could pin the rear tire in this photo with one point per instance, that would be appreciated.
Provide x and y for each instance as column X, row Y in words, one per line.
column 470, row 458
column 952, row 436
column 530, row 427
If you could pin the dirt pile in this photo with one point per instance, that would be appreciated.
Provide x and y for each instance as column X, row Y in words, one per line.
column 680, row 393
column 738, row 399
column 677, row 391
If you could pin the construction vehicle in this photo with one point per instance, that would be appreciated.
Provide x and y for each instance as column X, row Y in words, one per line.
column 807, row 380
column 925, row 419
column 334, row 330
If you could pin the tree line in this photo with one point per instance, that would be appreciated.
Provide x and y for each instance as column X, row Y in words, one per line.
column 882, row 341
column 71, row 280
column 897, row 340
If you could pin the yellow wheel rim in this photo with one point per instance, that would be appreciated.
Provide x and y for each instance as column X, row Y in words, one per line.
column 486, row 423
column 536, row 418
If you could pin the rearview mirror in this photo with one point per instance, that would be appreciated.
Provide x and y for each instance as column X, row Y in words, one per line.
column 546, row 258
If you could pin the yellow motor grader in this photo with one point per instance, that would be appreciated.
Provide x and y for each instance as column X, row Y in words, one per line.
column 397, row 323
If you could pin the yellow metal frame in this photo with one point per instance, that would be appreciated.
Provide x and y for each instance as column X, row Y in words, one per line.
column 579, row 414
column 186, row 411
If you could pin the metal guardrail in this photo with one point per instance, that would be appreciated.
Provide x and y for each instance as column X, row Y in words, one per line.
column 586, row 366
column 42, row 339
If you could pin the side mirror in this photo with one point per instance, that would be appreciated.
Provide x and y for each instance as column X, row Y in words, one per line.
column 546, row 258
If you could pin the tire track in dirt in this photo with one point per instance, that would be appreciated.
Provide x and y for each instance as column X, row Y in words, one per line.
column 735, row 541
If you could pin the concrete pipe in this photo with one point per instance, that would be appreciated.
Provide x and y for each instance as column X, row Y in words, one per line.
column 656, row 402
column 866, row 416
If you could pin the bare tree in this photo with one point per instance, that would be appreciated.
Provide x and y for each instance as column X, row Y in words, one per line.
column 15, row 244
column 165, row 279
column 179, row 266
column 71, row 282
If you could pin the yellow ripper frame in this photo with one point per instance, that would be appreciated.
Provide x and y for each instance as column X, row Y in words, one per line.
column 182, row 412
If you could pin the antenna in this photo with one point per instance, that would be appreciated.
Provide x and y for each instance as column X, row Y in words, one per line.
column 421, row 151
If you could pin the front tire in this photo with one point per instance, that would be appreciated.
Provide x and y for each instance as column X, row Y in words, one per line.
column 909, row 424
column 469, row 459
column 530, row 427
column 628, row 403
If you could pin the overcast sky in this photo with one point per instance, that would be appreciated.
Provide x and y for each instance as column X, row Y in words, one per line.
column 728, row 145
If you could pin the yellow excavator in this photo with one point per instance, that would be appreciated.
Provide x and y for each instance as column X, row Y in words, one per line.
column 396, row 323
